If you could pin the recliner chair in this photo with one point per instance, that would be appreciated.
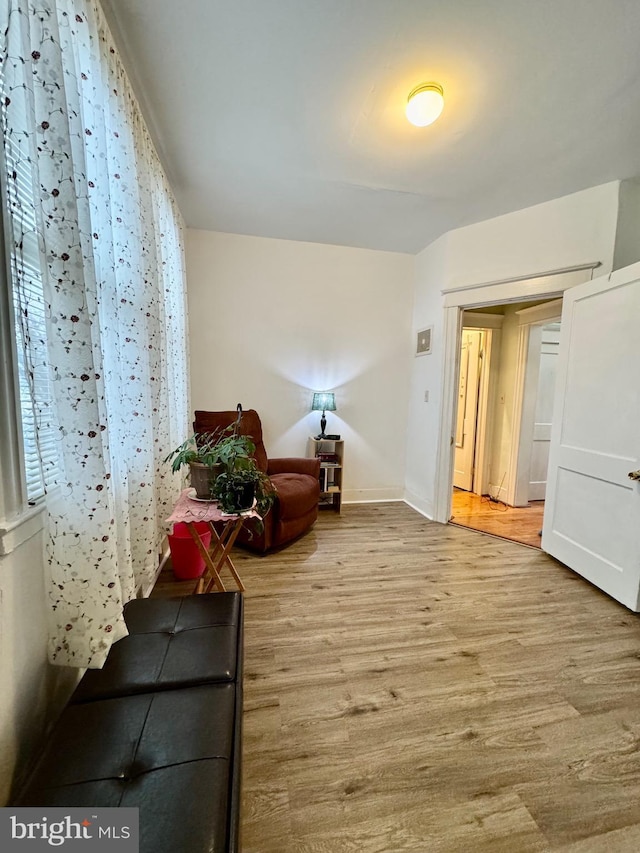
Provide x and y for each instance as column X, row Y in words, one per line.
column 295, row 480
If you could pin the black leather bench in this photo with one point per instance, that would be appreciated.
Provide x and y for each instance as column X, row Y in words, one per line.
column 158, row 727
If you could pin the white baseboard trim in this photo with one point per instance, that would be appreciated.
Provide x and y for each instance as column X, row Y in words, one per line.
column 145, row 591
column 358, row 496
column 374, row 501
column 420, row 505
column 498, row 493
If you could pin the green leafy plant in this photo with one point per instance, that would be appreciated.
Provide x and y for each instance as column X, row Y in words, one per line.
column 197, row 448
column 210, row 454
column 235, row 489
column 235, row 452
column 234, row 479
column 223, row 447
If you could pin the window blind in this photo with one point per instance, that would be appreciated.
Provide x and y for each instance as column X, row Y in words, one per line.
column 38, row 432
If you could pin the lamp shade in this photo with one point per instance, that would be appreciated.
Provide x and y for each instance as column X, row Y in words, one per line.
column 324, row 401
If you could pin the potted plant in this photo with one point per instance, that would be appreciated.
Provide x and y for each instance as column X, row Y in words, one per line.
column 222, row 466
column 238, row 487
column 208, row 456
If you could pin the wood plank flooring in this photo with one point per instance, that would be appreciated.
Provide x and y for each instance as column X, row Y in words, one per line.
column 521, row 524
column 411, row 686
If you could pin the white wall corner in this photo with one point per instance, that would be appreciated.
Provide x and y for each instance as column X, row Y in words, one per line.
column 424, row 507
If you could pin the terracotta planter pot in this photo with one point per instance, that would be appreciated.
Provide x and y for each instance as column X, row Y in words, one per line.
column 203, row 477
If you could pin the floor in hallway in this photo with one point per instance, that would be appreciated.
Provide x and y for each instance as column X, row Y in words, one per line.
column 520, row 524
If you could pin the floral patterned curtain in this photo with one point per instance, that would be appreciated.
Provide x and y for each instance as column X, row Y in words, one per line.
column 109, row 236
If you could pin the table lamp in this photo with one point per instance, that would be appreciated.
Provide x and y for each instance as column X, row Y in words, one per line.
column 323, row 401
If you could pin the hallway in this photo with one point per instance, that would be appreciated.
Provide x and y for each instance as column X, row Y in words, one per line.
column 520, row 524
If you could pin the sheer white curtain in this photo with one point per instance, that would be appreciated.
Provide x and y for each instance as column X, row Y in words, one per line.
column 88, row 200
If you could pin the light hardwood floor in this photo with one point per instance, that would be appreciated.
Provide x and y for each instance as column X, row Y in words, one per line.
column 521, row 524
column 411, row 686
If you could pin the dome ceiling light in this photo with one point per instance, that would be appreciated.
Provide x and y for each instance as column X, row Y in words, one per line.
column 425, row 104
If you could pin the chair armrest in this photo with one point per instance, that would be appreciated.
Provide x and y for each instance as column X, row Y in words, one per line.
column 294, row 465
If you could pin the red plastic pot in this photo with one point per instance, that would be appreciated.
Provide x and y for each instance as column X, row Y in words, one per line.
column 186, row 559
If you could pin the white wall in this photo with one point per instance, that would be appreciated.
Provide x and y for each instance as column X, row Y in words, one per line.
column 565, row 232
column 32, row 689
column 627, row 246
column 273, row 320
column 426, row 376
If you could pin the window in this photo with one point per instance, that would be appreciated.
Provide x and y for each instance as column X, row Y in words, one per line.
column 24, row 262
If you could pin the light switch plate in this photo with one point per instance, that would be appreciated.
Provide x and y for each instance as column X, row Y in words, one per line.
column 423, row 341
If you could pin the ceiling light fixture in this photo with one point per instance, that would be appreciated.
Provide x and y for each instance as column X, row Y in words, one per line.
column 425, row 104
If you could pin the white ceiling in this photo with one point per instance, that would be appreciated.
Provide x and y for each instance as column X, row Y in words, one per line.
column 285, row 118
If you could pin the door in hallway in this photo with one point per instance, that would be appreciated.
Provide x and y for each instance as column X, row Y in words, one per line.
column 467, row 414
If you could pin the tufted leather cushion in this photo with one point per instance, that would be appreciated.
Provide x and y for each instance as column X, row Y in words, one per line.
column 181, row 614
column 171, row 643
column 168, row 753
column 173, row 751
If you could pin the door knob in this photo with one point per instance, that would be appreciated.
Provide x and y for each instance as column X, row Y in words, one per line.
column 634, row 475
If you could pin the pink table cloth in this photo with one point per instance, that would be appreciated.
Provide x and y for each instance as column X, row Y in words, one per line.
column 187, row 509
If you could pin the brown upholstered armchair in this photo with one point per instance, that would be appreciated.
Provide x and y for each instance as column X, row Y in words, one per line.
column 294, row 479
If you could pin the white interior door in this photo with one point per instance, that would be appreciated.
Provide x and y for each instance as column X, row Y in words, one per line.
column 467, row 415
column 543, row 412
column 592, row 513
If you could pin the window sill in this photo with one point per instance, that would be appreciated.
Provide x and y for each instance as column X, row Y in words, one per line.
column 14, row 532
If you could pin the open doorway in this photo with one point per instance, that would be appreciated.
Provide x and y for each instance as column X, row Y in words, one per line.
column 460, row 298
column 506, row 381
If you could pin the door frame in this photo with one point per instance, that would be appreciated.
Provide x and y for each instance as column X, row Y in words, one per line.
column 456, row 301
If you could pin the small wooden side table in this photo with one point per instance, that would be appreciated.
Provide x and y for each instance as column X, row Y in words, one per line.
column 330, row 451
column 190, row 511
